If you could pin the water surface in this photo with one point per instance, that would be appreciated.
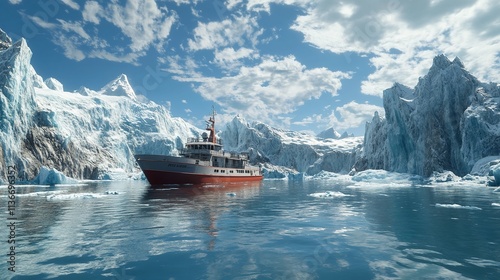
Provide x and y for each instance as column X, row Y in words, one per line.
column 270, row 230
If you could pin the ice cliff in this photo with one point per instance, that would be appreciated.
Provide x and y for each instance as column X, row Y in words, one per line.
column 83, row 134
column 294, row 151
column 449, row 121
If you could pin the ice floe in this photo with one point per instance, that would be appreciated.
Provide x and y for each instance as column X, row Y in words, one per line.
column 328, row 194
column 457, row 206
column 71, row 196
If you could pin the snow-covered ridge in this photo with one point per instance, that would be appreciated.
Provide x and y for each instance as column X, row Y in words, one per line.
column 295, row 151
column 449, row 121
column 88, row 134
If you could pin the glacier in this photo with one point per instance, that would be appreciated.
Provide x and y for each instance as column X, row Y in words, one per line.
column 448, row 122
column 85, row 134
column 286, row 154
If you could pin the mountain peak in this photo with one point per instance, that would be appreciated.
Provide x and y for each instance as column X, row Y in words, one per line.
column 458, row 62
column 54, row 84
column 119, row 87
column 441, row 62
column 329, row 133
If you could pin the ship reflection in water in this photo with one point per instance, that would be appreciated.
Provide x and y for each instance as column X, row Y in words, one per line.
column 203, row 202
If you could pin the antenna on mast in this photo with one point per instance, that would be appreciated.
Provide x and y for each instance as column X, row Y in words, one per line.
column 211, row 127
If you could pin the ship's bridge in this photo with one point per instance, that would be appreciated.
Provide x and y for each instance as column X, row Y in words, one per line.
column 202, row 148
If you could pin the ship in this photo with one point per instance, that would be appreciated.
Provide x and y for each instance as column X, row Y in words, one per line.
column 201, row 160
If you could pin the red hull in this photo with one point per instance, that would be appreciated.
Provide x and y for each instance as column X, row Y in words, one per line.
column 164, row 177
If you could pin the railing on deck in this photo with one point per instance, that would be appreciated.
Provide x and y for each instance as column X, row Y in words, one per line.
column 201, row 140
column 214, row 153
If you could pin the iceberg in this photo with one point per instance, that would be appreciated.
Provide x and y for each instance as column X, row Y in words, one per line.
column 89, row 135
column 448, row 122
column 51, row 176
column 457, row 206
column 495, row 172
column 328, row 194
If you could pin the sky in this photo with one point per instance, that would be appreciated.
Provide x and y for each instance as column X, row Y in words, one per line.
column 303, row 65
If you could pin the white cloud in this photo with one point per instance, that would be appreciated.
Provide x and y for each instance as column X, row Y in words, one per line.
column 265, row 91
column 142, row 22
column 316, row 119
column 42, row 23
column 72, row 4
column 129, row 57
column 92, row 12
column 264, row 5
column 239, row 30
column 15, row 2
column 231, row 59
column 70, row 48
column 180, row 2
column 352, row 115
column 404, row 36
column 74, row 27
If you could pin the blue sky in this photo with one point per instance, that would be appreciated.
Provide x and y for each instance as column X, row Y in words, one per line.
column 295, row 64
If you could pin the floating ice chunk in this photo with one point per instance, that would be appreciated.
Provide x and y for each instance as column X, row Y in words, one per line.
column 457, row 206
column 328, row 194
column 51, row 176
column 71, row 196
column 495, row 172
column 381, row 175
column 325, row 175
column 382, row 178
column 112, row 192
column 444, row 177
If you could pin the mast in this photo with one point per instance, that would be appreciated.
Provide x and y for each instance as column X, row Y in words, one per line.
column 211, row 127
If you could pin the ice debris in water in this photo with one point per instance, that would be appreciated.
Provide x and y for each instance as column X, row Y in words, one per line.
column 51, row 176
column 328, row 194
column 111, row 192
column 457, row 206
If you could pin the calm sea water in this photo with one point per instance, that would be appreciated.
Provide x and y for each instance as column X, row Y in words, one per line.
column 271, row 230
